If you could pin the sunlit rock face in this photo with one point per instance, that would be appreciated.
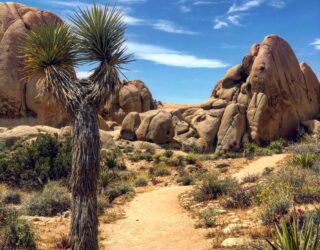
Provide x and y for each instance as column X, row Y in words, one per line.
column 264, row 98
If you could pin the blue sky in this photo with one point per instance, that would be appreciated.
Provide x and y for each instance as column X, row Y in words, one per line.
column 182, row 47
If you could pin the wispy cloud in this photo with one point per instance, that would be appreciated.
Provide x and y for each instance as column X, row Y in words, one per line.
column 185, row 9
column 237, row 10
column 83, row 74
column 171, row 27
column 235, row 19
column 316, row 44
column 247, row 5
column 219, row 24
column 165, row 56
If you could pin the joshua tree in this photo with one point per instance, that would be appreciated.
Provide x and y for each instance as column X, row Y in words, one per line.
column 49, row 54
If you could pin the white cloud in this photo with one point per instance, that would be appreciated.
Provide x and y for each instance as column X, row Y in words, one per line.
column 170, row 27
column 219, row 24
column 316, row 44
column 170, row 57
column 130, row 20
column 83, row 74
column 185, row 9
column 234, row 19
column 247, row 5
column 278, row 3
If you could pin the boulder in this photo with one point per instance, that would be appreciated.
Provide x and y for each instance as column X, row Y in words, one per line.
column 132, row 96
column 18, row 98
column 207, row 127
column 129, row 126
column 232, row 128
column 156, row 126
column 282, row 92
column 312, row 126
column 232, row 76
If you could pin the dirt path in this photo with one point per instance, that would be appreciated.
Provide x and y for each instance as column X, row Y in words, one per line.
column 155, row 220
column 257, row 167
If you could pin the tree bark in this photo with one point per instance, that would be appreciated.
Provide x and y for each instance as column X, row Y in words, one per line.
column 84, row 177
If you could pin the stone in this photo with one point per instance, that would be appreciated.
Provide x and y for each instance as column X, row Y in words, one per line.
column 232, row 128
column 156, row 126
column 19, row 98
column 312, row 126
column 106, row 140
column 129, row 126
column 282, row 92
column 233, row 242
column 232, row 77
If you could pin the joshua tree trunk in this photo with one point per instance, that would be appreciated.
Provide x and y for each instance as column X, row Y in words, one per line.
column 85, row 171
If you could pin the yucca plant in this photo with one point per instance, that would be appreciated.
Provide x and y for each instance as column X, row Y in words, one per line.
column 296, row 237
column 305, row 160
column 49, row 54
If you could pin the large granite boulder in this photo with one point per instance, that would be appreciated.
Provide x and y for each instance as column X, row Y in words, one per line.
column 132, row 96
column 17, row 97
column 281, row 92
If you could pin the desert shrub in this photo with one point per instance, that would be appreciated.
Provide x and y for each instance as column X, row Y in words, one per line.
column 11, row 197
column 102, row 205
column 141, row 182
column 53, row 199
column 276, row 200
column 128, row 149
column 168, row 153
column 296, row 236
column 305, row 160
column 175, row 161
column 139, row 155
column 250, row 179
column 276, row 147
column 105, row 178
column 119, row 190
column 212, row 187
column 186, row 180
column 15, row 233
column 36, row 163
column 63, row 242
column 191, row 158
column 160, row 170
column 238, row 197
column 111, row 160
column 19, row 235
column 207, row 218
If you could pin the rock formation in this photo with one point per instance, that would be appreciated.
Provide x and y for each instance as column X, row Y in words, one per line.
column 19, row 100
column 266, row 97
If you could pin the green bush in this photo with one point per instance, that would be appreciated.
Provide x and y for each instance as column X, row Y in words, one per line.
column 119, row 190
column 212, row 187
column 208, row 218
column 15, row 233
column 175, row 161
column 54, row 199
column 186, row 180
column 139, row 155
column 141, row 182
column 111, row 160
column 305, row 160
column 33, row 165
column 191, row 158
column 168, row 153
column 19, row 235
column 238, row 197
column 11, row 197
column 160, row 170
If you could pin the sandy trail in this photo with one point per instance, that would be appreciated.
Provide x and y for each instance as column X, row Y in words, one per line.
column 155, row 220
column 257, row 167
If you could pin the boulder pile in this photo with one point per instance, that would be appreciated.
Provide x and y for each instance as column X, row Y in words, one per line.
column 20, row 99
column 266, row 97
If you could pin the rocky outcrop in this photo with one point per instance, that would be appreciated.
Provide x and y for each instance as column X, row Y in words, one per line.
column 266, row 97
column 20, row 99
column 17, row 97
column 153, row 126
column 26, row 133
column 132, row 96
